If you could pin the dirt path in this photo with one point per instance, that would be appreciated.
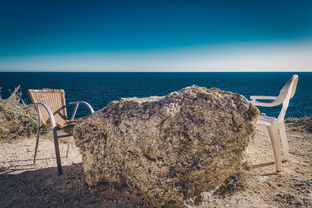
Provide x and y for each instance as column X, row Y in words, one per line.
column 23, row 184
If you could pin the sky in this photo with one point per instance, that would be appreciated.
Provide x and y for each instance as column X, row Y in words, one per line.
column 266, row 35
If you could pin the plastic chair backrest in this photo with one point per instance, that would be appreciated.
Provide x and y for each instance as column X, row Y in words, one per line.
column 55, row 99
column 286, row 93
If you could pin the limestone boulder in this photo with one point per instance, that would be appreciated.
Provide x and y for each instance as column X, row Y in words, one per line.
column 167, row 149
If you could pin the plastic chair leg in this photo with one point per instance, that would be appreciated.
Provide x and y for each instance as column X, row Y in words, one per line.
column 282, row 131
column 274, row 137
column 57, row 152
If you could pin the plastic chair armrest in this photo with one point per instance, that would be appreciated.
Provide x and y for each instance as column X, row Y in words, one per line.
column 256, row 103
column 263, row 97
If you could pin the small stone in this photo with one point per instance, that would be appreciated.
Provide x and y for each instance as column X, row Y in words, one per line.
column 247, row 166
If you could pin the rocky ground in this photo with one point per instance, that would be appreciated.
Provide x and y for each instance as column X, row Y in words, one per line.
column 23, row 184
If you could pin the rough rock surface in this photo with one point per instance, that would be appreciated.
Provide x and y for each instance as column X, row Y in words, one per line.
column 167, row 149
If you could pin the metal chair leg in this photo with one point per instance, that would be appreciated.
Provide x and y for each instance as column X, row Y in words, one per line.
column 68, row 144
column 57, row 152
column 36, row 147
column 38, row 133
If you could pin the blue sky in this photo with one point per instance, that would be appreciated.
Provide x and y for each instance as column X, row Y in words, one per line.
column 155, row 35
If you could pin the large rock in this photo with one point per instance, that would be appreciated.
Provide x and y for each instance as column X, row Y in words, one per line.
column 167, row 149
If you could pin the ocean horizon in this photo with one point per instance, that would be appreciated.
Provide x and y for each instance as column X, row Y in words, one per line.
column 100, row 88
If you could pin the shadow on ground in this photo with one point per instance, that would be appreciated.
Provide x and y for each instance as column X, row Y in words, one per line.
column 43, row 188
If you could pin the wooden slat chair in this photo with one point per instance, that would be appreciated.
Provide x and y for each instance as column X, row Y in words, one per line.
column 275, row 127
column 51, row 109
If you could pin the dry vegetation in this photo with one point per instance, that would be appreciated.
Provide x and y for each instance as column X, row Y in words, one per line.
column 300, row 124
column 17, row 119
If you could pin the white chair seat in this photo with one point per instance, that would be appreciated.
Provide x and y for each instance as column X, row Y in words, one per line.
column 266, row 120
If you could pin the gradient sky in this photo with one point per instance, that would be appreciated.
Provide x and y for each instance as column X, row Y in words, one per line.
column 156, row 35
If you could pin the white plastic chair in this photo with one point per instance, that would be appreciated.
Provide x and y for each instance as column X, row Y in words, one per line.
column 276, row 126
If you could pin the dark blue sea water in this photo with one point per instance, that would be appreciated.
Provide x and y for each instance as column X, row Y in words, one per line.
column 101, row 88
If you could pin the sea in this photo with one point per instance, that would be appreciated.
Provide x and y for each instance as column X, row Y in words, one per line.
column 100, row 88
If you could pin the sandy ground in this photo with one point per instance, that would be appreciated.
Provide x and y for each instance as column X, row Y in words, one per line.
column 23, row 184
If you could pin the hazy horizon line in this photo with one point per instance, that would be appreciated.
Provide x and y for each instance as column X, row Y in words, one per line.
column 281, row 71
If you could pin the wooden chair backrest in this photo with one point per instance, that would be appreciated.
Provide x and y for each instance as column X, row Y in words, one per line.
column 55, row 99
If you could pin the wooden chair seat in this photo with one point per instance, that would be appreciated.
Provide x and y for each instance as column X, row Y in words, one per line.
column 68, row 126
